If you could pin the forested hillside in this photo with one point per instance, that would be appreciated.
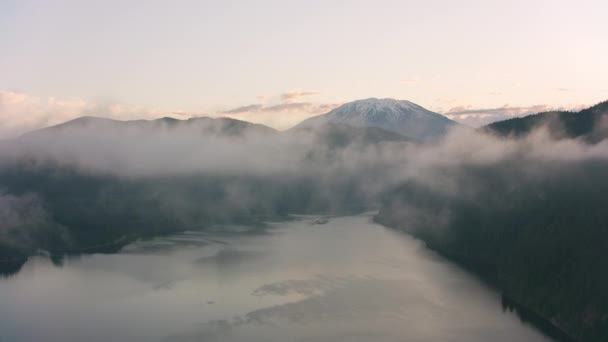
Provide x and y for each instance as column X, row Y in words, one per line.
column 590, row 124
column 538, row 232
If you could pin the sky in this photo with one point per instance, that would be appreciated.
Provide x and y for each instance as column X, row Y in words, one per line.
column 277, row 62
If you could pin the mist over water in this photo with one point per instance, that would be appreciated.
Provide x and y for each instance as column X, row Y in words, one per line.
column 345, row 280
column 302, row 280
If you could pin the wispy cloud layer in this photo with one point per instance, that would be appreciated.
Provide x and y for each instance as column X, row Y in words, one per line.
column 244, row 109
column 296, row 95
column 281, row 115
column 305, row 107
column 20, row 112
column 282, row 111
column 476, row 117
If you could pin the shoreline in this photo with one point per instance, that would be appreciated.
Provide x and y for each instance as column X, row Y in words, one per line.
column 524, row 313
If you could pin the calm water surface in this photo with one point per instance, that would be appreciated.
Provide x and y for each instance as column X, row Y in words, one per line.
column 346, row 280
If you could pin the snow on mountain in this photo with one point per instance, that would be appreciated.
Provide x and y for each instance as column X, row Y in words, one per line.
column 403, row 117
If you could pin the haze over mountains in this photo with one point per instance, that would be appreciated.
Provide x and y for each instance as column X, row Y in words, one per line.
column 365, row 121
column 375, row 119
column 375, row 116
column 202, row 125
column 517, row 198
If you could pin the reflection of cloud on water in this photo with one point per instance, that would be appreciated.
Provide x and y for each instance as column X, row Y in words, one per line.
column 215, row 235
column 359, row 298
column 339, row 307
column 306, row 287
column 168, row 285
column 209, row 331
column 227, row 257
column 169, row 244
column 319, row 221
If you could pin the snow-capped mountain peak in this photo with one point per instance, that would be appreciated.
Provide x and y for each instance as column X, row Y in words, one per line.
column 399, row 116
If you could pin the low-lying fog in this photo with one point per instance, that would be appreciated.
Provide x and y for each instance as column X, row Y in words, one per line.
column 161, row 150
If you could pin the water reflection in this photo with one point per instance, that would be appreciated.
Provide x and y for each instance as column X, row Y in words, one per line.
column 344, row 279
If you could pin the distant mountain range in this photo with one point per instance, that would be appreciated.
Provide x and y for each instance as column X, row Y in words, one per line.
column 367, row 121
column 402, row 117
column 371, row 121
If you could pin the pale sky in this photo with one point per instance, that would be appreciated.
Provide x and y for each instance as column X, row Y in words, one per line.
column 279, row 61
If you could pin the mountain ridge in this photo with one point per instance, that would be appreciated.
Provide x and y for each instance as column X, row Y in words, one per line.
column 589, row 124
column 220, row 126
column 378, row 119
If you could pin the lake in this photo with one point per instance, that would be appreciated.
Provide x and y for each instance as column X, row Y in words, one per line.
column 310, row 279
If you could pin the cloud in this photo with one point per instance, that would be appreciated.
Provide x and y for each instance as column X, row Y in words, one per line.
column 286, row 107
column 296, row 95
column 244, row 109
column 182, row 115
column 505, row 110
column 280, row 115
column 285, row 165
column 22, row 218
column 306, row 107
column 20, row 112
column 97, row 146
column 482, row 116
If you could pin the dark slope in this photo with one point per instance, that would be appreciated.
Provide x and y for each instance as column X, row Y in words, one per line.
column 541, row 239
column 590, row 124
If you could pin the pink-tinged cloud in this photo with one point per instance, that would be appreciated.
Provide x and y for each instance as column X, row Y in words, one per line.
column 21, row 113
column 244, row 109
column 477, row 117
column 294, row 96
column 281, row 115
